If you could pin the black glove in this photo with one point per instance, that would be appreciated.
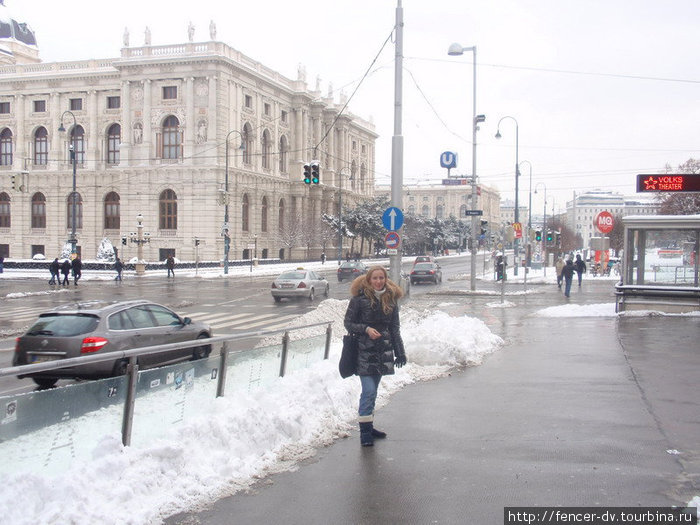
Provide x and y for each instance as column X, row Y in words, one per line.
column 400, row 360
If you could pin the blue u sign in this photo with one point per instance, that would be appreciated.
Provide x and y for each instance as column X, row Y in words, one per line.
column 448, row 160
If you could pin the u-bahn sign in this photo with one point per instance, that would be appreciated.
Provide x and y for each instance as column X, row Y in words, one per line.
column 604, row 222
column 679, row 182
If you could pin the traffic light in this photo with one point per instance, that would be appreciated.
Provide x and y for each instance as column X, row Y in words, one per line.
column 15, row 182
column 123, row 241
column 196, row 242
column 483, row 227
column 558, row 234
column 538, row 235
column 315, row 172
column 307, row 173
column 550, row 236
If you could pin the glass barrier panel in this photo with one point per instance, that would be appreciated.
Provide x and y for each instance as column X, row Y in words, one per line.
column 252, row 369
column 166, row 396
column 305, row 352
column 48, row 431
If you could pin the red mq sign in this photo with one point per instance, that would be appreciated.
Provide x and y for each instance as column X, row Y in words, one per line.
column 604, row 222
column 671, row 182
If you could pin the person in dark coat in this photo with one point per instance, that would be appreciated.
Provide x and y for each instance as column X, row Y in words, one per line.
column 118, row 267
column 77, row 268
column 568, row 274
column 580, row 268
column 54, row 268
column 170, row 265
column 65, row 271
column 373, row 318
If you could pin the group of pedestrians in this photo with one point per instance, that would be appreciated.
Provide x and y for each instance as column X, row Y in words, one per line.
column 64, row 269
column 565, row 272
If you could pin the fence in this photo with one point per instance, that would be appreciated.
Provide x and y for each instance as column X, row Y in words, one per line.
column 49, row 429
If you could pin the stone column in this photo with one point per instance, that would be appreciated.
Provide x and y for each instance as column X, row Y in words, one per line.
column 93, row 150
column 20, row 140
column 147, row 128
column 298, row 135
column 191, row 120
column 212, row 124
column 127, row 133
column 56, row 156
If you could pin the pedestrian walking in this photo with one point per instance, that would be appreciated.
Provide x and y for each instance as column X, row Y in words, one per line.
column 323, row 258
column 170, row 265
column 559, row 265
column 2, row 264
column 54, row 268
column 118, row 267
column 65, row 271
column 580, row 267
column 373, row 318
column 568, row 275
column 77, row 268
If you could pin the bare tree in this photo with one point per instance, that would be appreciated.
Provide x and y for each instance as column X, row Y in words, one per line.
column 681, row 203
column 290, row 235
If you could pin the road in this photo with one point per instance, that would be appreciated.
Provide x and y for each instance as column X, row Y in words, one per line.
column 229, row 305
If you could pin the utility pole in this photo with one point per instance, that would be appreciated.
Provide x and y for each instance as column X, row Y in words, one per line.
column 397, row 139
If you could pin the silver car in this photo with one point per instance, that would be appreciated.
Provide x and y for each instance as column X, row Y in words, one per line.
column 299, row 283
column 100, row 327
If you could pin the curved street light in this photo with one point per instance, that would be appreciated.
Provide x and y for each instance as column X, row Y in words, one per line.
column 225, row 228
column 517, row 175
column 74, row 196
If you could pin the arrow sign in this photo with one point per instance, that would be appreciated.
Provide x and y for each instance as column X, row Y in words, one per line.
column 392, row 219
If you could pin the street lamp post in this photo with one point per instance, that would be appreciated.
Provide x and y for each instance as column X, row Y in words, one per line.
column 457, row 50
column 74, row 195
column 141, row 239
column 516, row 245
column 225, row 230
column 544, row 229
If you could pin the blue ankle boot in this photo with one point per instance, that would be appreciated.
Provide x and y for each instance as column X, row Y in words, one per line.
column 366, row 437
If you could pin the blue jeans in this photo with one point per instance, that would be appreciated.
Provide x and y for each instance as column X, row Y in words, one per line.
column 369, row 395
column 567, row 289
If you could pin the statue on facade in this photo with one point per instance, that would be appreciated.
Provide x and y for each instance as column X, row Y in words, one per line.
column 202, row 132
column 330, row 90
column 318, row 82
column 126, row 37
column 147, row 37
column 212, row 30
column 138, row 133
column 190, row 32
column 301, row 72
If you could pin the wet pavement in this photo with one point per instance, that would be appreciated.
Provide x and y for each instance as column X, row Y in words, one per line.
column 572, row 411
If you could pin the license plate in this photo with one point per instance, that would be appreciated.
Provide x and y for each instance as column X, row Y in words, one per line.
column 287, row 285
column 44, row 358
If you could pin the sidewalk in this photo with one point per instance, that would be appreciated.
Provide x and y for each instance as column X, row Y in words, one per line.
column 571, row 412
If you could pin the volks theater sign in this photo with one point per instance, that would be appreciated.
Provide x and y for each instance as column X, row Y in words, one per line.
column 668, row 183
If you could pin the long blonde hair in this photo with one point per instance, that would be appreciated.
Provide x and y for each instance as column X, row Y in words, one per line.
column 389, row 299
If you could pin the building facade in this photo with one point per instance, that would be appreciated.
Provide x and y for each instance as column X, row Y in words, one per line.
column 176, row 134
column 582, row 210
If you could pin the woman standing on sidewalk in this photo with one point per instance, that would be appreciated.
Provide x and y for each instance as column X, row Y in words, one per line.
column 373, row 318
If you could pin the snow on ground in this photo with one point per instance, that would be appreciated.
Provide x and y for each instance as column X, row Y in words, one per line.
column 234, row 440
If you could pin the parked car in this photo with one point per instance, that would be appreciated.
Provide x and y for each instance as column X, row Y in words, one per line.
column 426, row 272
column 299, row 283
column 424, row 258
column 350, row 270
column 106, row 326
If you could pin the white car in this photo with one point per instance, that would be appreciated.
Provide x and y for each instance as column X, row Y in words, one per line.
column 299, row 283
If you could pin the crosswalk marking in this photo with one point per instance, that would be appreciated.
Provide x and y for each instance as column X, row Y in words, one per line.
column 251, row 318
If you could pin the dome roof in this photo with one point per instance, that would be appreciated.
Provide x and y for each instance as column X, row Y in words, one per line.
column 11, row 29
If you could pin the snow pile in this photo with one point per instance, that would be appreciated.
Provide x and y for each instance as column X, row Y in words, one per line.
column 235, row 440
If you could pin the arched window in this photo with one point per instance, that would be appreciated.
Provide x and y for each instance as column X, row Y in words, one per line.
column 463, row 210
column 5, row 217
column 167, row 210
column 38, row 210
column 440, row 211
column 266, row 150
column 112, row 211
column 280, row 215
column 412, row 210
column 245, row 208
column 6, row 147
column 41, row 146
column 425, row 211
column 77, row 135
column 78, row 211
column 263, row 215
column 284, row 152
column 171, row 139
column 114, row 138
column 249, row 144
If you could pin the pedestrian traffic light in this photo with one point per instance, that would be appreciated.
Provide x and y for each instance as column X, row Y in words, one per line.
column 315, row 172
column 550, row 235
column 538, row 235
column 196, row 242
column 307, row 173
column 123, row 241
column 15, row 182
column 483, row 227
column 558, row 234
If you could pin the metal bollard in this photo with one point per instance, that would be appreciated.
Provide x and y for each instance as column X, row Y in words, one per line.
column 329, row 332
column 283, row 357
column 221, row 384
column 128, row 417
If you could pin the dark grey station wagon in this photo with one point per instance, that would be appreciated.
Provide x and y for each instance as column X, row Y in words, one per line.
column 101, row 326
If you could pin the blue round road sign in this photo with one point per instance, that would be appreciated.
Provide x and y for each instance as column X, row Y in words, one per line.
column 392, row 218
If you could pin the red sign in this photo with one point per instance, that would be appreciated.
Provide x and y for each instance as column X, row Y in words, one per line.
column 604, row 222
column 392, row 240
column 518, row 230
column 672, row 182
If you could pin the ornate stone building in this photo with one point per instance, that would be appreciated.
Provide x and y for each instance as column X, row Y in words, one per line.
column 151, row 130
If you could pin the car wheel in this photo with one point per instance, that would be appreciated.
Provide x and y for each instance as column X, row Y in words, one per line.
column 312, row 295
column 413, row 282
column 201, row 352
column 45, row 382
column 120, row 368
column 328, row 291
column 277, row 299
column 340, row 279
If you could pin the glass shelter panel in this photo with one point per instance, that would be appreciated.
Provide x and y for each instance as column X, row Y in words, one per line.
column 665, row 257
column 305, row 352
column 248, row 370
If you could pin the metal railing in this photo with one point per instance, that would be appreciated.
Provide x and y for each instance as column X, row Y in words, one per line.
column 133, row 366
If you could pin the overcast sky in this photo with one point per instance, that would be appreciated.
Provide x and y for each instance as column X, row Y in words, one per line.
column 601, row 89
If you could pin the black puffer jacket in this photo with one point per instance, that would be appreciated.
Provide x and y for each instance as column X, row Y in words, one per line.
column 375, row 357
